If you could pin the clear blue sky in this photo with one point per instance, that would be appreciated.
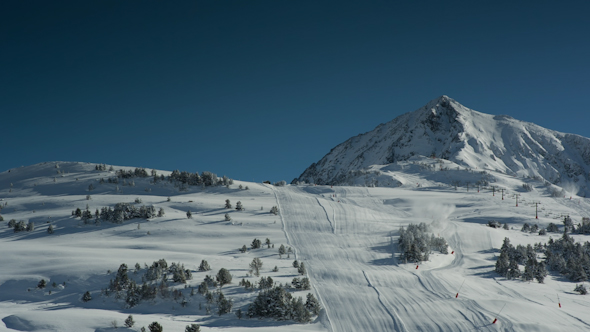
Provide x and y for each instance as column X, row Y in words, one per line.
column 259, row 90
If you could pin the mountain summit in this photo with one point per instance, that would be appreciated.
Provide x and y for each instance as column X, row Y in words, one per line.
column 445, row 129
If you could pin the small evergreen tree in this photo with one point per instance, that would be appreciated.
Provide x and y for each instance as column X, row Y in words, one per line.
column 513, row 270
column 42, row 284
column 274, row 210
column 223, row 277
column 224, row 304
column 227, row 217
column 204, row 266
column 502, row 264
column 312, row 304
column 267, row 242
column 256, row 243
column 282, row 251
column 155, row 327
column 552, row 228
column 86, row 297
column 299, row 312
column 529, row 269
column 540, row 272
column 193, row 328
column 189, row 215
column 581, row 289
column 129, row 322
column 239, row 206
column 50, row 229
column 255, row 266
column 302, row 269
column 227, row 204
column 243, row 249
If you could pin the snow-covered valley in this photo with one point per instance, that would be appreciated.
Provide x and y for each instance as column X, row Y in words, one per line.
column 345, row 235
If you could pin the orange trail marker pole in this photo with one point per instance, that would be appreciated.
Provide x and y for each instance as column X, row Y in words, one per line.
column 558, row 301
column 496, row 318
column 456, row 296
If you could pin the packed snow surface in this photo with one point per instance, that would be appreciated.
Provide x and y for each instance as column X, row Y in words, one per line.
column 345, row 235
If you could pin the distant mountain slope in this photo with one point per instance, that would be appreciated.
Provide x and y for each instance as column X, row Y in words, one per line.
column 446, row 129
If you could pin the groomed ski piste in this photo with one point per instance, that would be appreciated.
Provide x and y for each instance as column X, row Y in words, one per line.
column 345, row 235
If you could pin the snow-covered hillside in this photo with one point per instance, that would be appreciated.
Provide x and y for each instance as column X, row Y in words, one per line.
column 345, row 235
column 448, row 130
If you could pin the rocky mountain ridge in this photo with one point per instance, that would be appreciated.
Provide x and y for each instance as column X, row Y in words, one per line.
column 445, row 129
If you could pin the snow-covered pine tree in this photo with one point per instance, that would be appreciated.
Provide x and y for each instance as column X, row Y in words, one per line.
column 204, row 266
column 312, row 304
column 513, row 270
column 302, row 269
column 155, row 327
column 274, row 210
column 256, row 243
column 223, row 277
column 581, row 289
column 193, row 328
column 255, row 266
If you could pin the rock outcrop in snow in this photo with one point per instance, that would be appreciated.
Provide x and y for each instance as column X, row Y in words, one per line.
column 448, row 130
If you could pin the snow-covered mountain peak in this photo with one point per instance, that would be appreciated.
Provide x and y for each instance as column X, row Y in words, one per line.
column 445, row 129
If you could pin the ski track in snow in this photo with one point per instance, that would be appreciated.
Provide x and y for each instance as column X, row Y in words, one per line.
column 340, row 264
column 396, row 320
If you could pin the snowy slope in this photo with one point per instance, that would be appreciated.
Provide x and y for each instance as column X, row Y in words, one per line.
column 343, row 234
column 446, row 129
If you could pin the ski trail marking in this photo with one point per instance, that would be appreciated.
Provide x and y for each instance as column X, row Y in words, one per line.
column 327, row 216
column 281, row 211
column 456, row 296
column 397, row 321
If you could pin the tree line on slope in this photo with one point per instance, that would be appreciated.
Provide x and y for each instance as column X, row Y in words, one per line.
column 272, row 301
column 416, row 243
column 120, row 213
column 207, row 179
column 563, row 255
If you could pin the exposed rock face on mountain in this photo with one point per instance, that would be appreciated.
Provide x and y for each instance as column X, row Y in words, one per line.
column 448, row 130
